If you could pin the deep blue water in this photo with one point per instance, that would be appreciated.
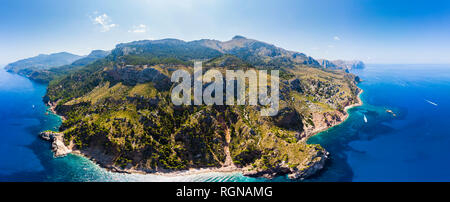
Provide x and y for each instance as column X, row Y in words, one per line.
column 412, row 146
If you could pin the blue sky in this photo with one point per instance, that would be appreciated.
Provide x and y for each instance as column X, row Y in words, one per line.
column 379, row 31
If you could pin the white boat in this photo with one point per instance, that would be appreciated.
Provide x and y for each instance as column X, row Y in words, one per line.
column 432, row 103
column 365, row 118
column 32, row 106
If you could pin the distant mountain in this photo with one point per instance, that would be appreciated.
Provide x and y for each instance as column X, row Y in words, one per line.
column 42, row 62
column 258, row 53
column 50, row 72
column 341, row 64
column 94, row 55
column 165, row 48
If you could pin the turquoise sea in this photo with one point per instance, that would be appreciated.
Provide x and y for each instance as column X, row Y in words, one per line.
column 414, row 145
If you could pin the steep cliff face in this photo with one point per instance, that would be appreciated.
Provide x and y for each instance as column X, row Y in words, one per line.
column 119, row 111
column 327, row 64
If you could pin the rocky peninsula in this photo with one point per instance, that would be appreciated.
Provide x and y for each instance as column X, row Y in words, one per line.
column 118, row 112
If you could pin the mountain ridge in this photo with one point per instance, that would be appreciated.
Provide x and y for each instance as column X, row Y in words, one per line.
column 43, row 61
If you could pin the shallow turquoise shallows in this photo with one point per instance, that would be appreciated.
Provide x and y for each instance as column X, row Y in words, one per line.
column 413, row 145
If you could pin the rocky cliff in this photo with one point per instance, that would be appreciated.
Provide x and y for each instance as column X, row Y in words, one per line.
column 341, row 64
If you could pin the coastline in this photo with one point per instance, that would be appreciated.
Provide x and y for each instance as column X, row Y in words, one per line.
column 359, row 103
column 344, row 118
column 191, row 171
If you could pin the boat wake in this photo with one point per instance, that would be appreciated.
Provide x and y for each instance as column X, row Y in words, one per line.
column 432, row 103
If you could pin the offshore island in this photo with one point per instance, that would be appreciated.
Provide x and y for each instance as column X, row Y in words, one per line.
column 117, row 110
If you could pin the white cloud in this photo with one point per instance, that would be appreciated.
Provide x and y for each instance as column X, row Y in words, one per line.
column 139, row 29
column 336, row 38
column 330, row 46
column 104, row 21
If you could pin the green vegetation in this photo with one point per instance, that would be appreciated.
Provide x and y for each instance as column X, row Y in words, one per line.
column 120, row 106
column 152, row 60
